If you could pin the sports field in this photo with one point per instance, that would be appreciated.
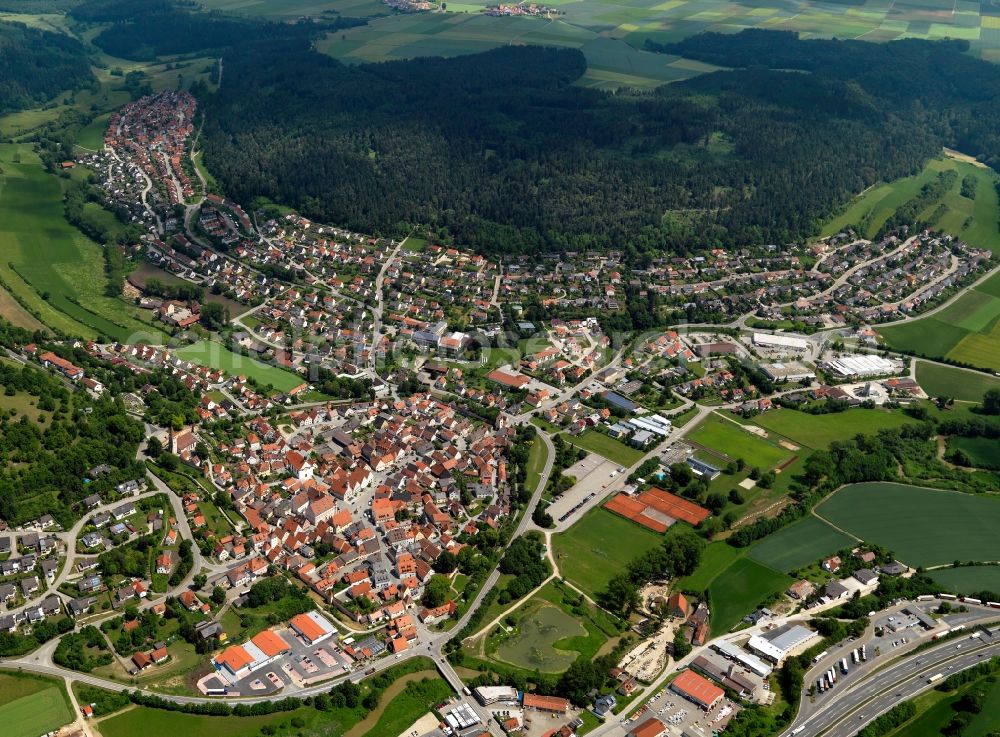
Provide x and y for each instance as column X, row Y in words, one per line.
column 799, row 544
column 738, row 589
column 967, row 330
column 973, row 220
column 51, row 265
column 984, row 452
column 606, row 446
column 923, row 527
column 216, row 355
column 598, row 547
column 37, row 707
column 969, row 579
column 730, row 438
column 938, row 380
column 533, row 646
column 818, row 431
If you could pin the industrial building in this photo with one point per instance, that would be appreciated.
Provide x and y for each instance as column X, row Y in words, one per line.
column 787, row 371
column 855, row 367
column 751, row 662
column 778, row 643
column 487, row 695
column 766, row 340
column 237, row 661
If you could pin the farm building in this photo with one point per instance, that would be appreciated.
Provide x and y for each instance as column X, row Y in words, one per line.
column 553, row 704
column 697, row 689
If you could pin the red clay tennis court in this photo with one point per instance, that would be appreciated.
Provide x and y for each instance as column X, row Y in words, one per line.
column 656, row 509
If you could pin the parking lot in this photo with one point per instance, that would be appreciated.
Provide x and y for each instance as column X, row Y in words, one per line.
column 593, row 474
column 305, row 664
column 679, row 713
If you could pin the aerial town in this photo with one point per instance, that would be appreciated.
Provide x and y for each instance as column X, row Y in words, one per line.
column 398, row 450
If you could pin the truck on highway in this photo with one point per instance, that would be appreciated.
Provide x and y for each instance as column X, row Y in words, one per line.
column 935, row 678
column 799, row 730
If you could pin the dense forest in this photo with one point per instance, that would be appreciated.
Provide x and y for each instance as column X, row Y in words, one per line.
column 36, row 65
column 147, row 29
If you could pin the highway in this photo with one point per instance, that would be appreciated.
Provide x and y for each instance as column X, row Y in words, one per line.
column 850, row 710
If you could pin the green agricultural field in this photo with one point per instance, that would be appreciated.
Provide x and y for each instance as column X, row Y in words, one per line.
column 598, row 547
column 818, row 431
column 967, row 330
column 216, row 355
column 984, row 452
column 923, row 527
column 938, row 380
column 35, row 712
column 533, row 646
column 49, row 264
column 731, row 439
column 975, row 221
column 969, row 579
column 737, row 590
column 799, row 544
column 716, row 558
column 606, row 446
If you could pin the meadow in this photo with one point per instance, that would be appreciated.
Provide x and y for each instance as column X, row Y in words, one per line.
column 49, row 264
column 818, row 431
column 716, row 558
column 968, row 579
column 935, row 711
column 605, row 446
column 217, row 356
column 798, row 545
column 967, row 330
column 736, row 591
column 30, row 706
column 972, row 220
column 938, row 380
column 159, row 723
column 923, row 527
column 536, row 463
column 598, row 547
column 983, row 452
column 729, row 438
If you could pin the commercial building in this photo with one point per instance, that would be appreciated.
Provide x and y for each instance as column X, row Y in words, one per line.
column 238, row 661
column 778, row 643
column 553, row 704
column 652, row 727
column 751, row 662
column 487, row 695
column 766, row 340
column 697, row 689
column 312, row 626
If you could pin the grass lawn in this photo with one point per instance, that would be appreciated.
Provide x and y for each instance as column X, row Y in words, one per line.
column 934, row 711
column 729, row 438
column 50, row 265
column 799, row 544
column 598, row 547
column 968, row 579
column 716, row 558
column 938, row 380
column 739, row 589
column 158, row 723
column 606, row 446
column 32, row 707
column 536, row 462
column 216, row 355
column 923, row 527
column 984, row 452
column 818, row 431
